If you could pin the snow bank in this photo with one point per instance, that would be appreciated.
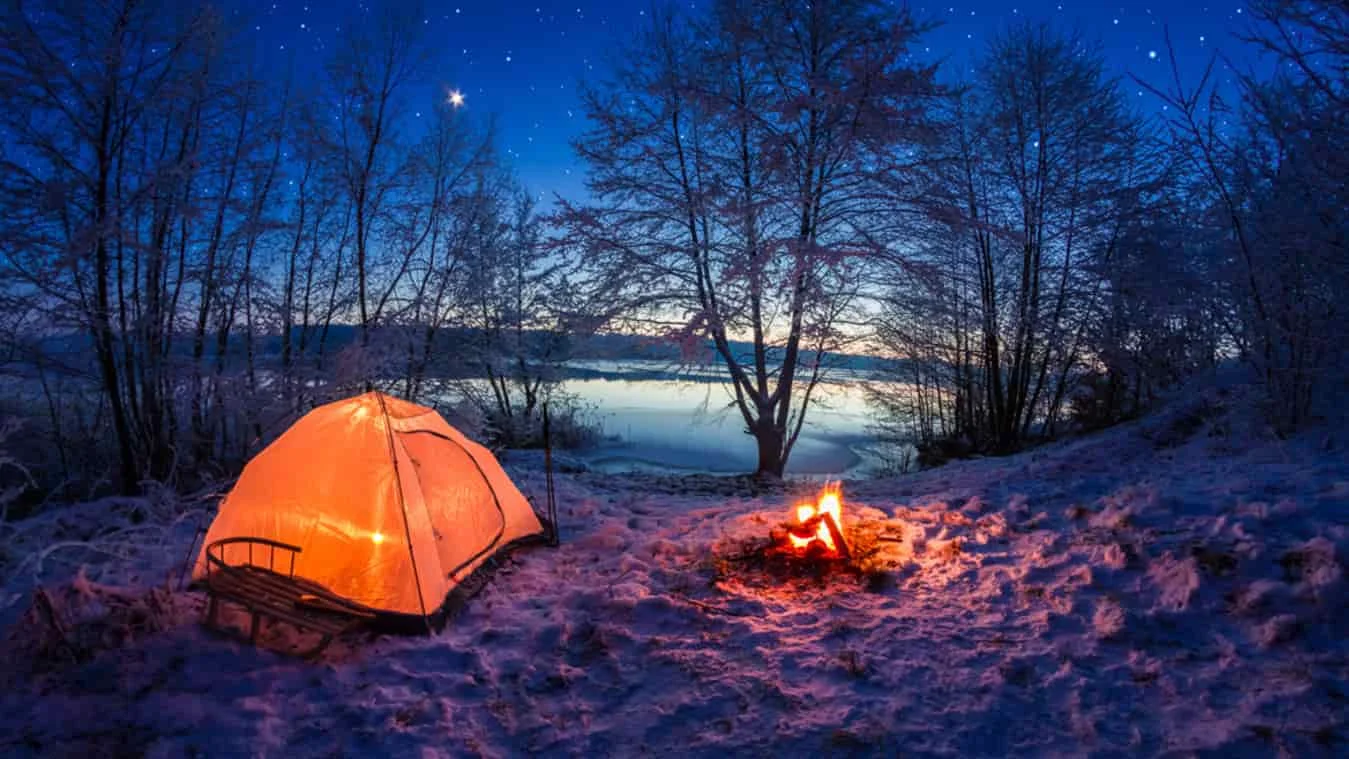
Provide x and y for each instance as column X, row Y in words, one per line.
column 1162, row 587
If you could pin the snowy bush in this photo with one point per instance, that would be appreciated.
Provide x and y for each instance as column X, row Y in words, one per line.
column 73, row 621
column 572, row 425
column 10, row 469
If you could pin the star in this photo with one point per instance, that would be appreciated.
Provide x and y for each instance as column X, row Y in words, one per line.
column 456, row 98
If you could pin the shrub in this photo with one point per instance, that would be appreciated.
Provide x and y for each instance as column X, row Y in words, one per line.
column 572, row 425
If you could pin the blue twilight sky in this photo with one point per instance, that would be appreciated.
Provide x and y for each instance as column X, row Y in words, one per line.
column 519, row 61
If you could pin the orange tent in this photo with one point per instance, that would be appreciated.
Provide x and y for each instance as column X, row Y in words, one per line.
column 390, row 505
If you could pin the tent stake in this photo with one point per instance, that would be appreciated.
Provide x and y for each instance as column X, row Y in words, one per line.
column 191, row 549
column 553, row 537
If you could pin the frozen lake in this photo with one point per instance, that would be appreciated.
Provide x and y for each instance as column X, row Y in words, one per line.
column 690, row 424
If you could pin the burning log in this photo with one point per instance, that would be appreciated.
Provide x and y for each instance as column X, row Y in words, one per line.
column 817, row 532
column 806, row 537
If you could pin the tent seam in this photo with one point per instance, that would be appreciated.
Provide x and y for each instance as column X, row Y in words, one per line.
column 403, row 506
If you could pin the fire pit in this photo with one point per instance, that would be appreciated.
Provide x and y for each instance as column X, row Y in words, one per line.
column 812, row 543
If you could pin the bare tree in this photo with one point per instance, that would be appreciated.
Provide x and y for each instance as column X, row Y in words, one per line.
column 451, row 164
column 1271, row 172
column 369, row 79
column 167, row 210
column 520, row 319
column 105, row 101
column 733, row 178
column 1040, row 167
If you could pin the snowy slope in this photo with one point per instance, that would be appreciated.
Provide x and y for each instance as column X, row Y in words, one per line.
column 1172, row 585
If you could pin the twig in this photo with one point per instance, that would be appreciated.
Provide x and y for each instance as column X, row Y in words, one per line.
column 615, row 581
column 713, row 608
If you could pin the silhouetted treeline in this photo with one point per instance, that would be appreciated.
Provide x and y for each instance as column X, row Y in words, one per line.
column 1076, row 258
column 174, row 201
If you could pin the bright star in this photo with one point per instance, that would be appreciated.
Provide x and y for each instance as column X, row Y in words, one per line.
column 456, row 98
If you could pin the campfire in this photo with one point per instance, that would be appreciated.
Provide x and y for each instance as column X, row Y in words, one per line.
column 817, row 529
column 811, row 545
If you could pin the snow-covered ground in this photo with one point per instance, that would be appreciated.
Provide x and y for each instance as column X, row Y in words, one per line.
column 1174, row 585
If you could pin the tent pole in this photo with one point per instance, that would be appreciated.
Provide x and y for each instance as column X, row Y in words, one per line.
column 553, row 536
column 403, row 506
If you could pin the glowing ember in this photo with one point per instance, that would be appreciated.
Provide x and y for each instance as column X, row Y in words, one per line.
column 821, row 521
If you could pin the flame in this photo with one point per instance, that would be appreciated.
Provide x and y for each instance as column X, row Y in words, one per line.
column 830, row 501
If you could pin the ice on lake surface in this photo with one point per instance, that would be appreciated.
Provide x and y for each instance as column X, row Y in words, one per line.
column 690, row 423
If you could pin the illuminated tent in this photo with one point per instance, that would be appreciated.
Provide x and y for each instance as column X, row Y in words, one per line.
column 391, row 506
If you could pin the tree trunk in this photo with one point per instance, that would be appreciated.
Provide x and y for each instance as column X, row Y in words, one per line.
column 769, row 439
column 102, row 323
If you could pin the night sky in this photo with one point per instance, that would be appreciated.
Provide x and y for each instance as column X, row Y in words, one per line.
column 520, row 61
